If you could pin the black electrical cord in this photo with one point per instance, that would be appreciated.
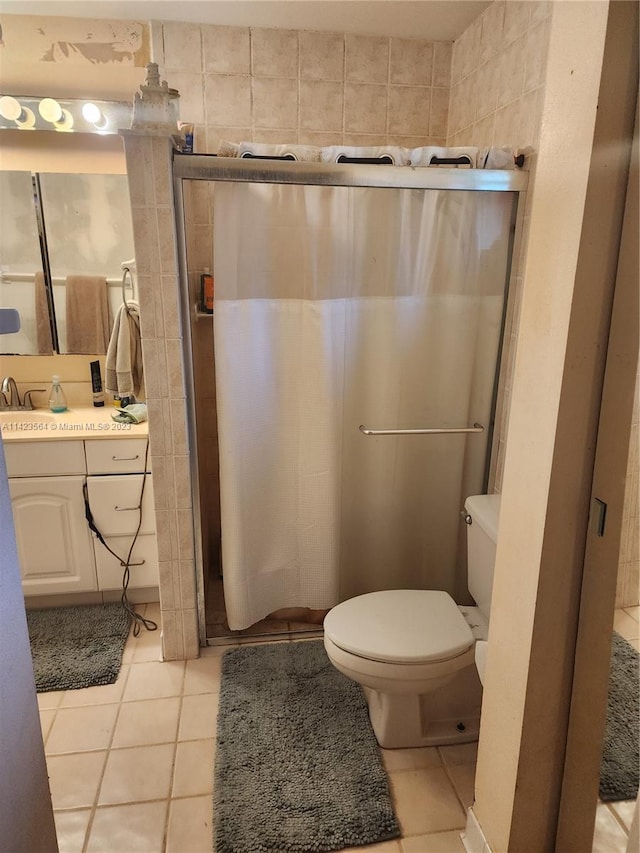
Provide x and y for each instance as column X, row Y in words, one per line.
column 138, row 618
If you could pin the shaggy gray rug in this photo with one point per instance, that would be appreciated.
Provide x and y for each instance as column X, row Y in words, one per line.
column 74, row 647
column 298, row 768
column 620, row 756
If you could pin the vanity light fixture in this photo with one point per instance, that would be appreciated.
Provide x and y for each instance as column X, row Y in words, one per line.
column 20, row 112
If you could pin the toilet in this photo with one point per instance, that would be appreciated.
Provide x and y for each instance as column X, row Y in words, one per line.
column 414, row 650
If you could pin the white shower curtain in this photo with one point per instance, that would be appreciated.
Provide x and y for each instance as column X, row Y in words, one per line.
column 340, row 306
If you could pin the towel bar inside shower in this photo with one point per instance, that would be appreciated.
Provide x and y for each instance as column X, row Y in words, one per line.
column 431, row 431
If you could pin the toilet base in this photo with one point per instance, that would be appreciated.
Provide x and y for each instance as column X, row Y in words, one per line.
column 448, row 715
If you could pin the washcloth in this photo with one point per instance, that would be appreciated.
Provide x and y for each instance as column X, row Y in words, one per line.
column 87, row 314
column 43, row 324
column 124, row 373
column 135, row 413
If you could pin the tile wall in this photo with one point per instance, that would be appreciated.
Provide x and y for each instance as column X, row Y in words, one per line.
column 313, row 88
column 149, row 171
column 497, row 87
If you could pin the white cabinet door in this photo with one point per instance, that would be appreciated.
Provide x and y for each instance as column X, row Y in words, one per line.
column 54, row 543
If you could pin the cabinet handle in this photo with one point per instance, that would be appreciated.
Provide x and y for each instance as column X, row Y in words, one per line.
column 141, row 563
column 126, row 508
column 126, row 458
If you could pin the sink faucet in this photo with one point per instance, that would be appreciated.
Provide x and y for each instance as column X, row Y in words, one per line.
column 12, row 401
column 9, row 387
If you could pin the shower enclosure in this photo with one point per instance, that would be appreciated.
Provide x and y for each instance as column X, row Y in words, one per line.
column 349, row 376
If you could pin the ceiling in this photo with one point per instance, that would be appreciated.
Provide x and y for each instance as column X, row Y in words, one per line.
column 436, row 20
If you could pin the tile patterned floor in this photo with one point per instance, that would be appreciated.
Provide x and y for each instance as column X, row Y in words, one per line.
column 130, row 764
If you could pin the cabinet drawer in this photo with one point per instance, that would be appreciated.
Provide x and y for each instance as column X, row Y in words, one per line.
column 110, row 570
column 114, row 502
column 44, row 458
column 113, row 456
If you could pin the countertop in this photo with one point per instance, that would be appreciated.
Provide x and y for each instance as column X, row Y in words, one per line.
column 77, row 423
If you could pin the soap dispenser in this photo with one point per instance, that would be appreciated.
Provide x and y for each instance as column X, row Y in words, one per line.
column 57, row 400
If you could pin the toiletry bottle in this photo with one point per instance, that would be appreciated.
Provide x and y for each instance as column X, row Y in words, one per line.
column 206, row 291
column 57, row 400
column 96, row 384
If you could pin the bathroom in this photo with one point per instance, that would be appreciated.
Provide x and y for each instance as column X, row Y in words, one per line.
column 513, row 115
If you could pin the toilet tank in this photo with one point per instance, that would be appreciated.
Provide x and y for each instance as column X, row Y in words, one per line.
column 482, row 536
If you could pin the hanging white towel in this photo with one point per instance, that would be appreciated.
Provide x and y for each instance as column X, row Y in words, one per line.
column 124, row 374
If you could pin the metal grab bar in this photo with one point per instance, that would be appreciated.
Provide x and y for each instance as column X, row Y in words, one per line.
column 474, row 428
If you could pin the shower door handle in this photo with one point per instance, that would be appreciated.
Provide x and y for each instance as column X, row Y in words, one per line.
column 436, row 431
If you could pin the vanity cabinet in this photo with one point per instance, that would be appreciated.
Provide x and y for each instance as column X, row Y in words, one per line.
column 57, row 551
column 115, row 493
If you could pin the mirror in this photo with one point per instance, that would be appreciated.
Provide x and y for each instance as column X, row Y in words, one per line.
column 86, row 233
column 20, row 260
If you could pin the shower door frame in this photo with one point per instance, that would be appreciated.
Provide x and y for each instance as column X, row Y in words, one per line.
column 211, row 168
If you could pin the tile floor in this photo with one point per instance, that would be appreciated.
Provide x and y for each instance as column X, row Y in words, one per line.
column 130, row 764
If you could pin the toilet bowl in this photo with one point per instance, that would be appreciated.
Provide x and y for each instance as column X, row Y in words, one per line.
column 413, row 651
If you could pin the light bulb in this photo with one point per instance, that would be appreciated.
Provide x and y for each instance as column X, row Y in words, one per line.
column 10, row 108
column 50, row 110
column 94, row 115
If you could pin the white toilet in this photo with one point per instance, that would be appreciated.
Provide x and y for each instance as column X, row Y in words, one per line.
column 413, row 650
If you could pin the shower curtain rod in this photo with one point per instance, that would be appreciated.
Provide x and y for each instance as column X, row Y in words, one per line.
column 207, row 167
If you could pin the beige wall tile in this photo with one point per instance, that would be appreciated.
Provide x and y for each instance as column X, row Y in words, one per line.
column 182, row 47
column 507, row 124
column 161, row 161
column 492, row 31
column 178, row 425
column 169, row 289
column 165, row 579
column 189, row 84
column 516, row 18
column 409, row 108
column 190, row 638
column 365, row 108
column 367, row 140
column 321, row 138
column 410, row 62
column 275, row 137
column 185, row 534
column 367, row 59
column 226, row 50
column 487, row 88
column 321, row 105
column 274, row 53
column 227, row 100
column 321, row 56
column 275, row 102
column 229, row 134
column 469, row 43
column 155, row 367
column 412, row 141
column 175, row 379
column 511, row 74
column 483, row 131
column 536, row 56
column 182, row 482
column 187, row 584
column 438, row 116
column 442, row 52
column 168, row 260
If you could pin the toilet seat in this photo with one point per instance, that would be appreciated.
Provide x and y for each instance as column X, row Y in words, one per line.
column 409, row 627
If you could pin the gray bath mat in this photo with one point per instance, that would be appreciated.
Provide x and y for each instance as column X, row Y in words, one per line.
column 74, row 647
column 298, row 768
column 620, row 757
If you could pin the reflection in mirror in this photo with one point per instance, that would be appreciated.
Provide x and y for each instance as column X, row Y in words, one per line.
column 21, row 265
column 89, row 237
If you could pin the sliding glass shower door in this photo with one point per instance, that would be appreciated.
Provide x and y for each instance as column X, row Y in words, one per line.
column 339, row 307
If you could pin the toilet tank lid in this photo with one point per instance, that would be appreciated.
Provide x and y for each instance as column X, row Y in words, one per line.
column 485, row 511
